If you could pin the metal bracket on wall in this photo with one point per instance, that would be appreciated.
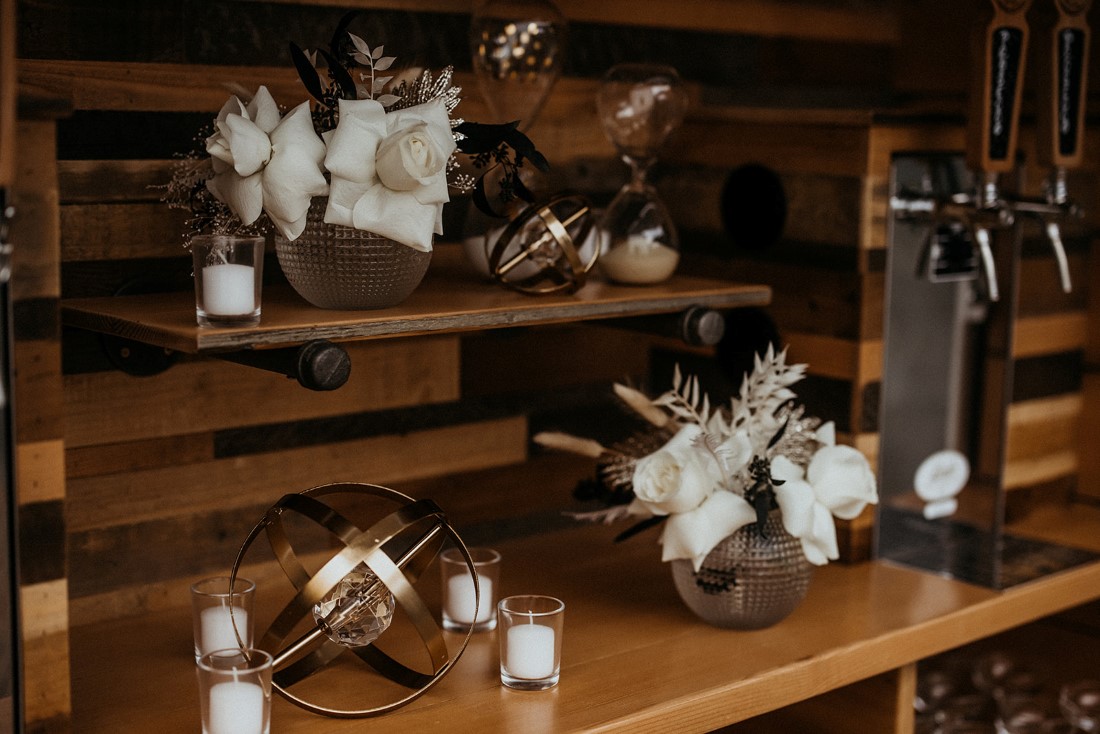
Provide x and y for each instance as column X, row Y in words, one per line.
column 316, row 365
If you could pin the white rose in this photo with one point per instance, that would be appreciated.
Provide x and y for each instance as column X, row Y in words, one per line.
column 389, row 170
column 677, row 477
column 264, row 162
column 842, row 480
column 409, row 158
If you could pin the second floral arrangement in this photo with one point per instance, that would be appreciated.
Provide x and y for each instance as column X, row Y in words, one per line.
column 703, row 473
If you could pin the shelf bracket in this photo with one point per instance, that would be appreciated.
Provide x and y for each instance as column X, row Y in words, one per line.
column 697, row 326
column 317, row 365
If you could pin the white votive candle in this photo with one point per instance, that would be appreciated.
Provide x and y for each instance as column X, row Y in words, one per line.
column 228, row 289
column 530, row 651
column 460, row 599
column 236, row 707
column 217, row 628
column 640, row 261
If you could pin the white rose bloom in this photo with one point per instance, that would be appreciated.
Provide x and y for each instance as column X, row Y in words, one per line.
column 678, row 476
column 389, row 172
column 842, row 480
column 266, row 164
column 409, row 158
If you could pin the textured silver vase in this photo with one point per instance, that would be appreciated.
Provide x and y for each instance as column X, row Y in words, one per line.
column 748, row 581
column 338, row 267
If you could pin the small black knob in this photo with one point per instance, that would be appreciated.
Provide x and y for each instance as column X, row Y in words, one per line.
column 323, row 365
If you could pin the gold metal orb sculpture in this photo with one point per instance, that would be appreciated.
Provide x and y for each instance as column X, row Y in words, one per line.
column 549, row 241
column 362, row 593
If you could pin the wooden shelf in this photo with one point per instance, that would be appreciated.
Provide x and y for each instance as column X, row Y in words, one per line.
column 451, row 299
column 634, row 658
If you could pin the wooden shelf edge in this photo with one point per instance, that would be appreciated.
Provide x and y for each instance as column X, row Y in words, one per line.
column 448, row 301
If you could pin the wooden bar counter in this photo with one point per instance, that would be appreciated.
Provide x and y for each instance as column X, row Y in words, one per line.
column 634, row 658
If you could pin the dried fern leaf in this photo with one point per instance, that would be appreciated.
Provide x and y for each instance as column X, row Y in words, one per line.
column 641, row 405
column 572, row 444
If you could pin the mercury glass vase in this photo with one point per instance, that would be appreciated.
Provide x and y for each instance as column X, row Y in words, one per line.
column 750, row 580
column 338, row 267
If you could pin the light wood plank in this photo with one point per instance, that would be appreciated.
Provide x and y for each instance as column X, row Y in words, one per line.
column 206, row 395
column 45, row 629
column 260, row 479
column 1050, row 334
column 857, row 622
column 40, row 471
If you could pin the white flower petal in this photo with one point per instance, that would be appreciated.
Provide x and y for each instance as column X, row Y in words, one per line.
column 826, row 433
column 397, row 215
column 785, row 469
column 263, row 111
column 294, row 174
column 694, row 534
column 249, row 146
column 243, row 196
column 796, row 504
column 842, row 480
column 352, row 145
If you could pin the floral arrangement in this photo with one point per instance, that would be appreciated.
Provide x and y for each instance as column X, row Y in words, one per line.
column 382, row 152
column 705, row 473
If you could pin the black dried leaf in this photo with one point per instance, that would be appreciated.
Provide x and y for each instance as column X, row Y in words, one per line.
column 779, row 434
column 340, row 76
column 521, row 190
column 483, row 137
column 636, row 528
column 481, row 200
column 339, row 35
column 307, row 73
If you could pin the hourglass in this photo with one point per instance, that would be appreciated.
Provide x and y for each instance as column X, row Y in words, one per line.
column 639, row 105
column 516, row 50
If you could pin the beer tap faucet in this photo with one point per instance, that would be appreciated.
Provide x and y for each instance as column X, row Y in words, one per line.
column 991, row 149
column 1062, row 121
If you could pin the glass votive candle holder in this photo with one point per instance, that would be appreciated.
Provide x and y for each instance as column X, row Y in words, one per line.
column 221, row 618
column 529, row 629
column 235, row 691
column 462, row 607
column 228, row 279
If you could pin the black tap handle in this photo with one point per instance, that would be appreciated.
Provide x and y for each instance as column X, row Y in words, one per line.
column 1062, row 120
column 1003, row 48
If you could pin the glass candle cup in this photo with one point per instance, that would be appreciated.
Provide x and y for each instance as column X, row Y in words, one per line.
column 228, row 279
column 529, row 629
column 463, row 609
column 221, row 619
column 235, row 691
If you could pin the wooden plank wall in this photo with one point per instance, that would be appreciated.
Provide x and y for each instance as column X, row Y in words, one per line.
column 164, row 475
column 39, row 429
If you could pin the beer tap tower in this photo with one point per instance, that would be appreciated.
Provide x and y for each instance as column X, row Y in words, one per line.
column 947, row 364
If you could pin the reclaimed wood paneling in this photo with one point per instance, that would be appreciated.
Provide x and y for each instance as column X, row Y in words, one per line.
column 39, row 430
column 208, row 394
column 48, row 698
column 261, row 478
